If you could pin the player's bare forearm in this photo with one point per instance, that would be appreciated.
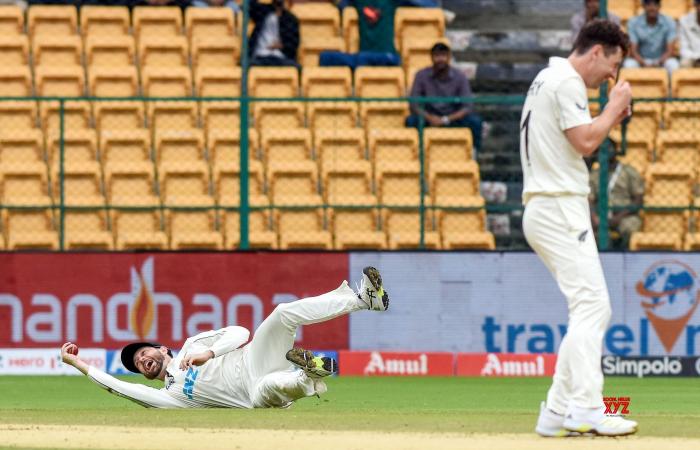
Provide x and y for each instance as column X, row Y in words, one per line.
column 69, row 355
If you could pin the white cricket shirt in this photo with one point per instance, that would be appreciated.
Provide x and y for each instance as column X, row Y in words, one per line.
column 221, row 382
column 556, row 101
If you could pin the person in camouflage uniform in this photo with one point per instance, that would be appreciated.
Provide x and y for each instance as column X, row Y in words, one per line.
column 625, row 189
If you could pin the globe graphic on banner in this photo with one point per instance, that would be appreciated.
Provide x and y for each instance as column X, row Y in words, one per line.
column 669, row 298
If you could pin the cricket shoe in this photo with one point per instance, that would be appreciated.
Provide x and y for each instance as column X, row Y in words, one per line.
column 551, row 424
column 585, row 420
column 313, row 366
column 371, row 291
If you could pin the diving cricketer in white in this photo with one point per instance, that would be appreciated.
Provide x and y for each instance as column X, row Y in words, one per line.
column 556, row 132
column 212, row 370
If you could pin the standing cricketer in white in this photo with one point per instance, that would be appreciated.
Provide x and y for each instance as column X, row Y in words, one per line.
column 211, row 371
column 557, row 131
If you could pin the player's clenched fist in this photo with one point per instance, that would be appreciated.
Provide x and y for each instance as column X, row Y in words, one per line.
column 621, row 100
column 69, row 353
column 196, row 359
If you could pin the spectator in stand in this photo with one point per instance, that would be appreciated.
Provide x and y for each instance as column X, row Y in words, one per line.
column 443, row 80
column 690, row 37
column 21, row 3
column 652, row 37
column 625, row 190
column 215, row 3
column 590, row 11
column 275, row 38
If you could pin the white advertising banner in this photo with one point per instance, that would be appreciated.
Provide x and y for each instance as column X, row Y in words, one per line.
column 508, row 302
column 46, row 361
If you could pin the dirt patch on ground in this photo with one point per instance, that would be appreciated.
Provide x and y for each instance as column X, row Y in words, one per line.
column 97, row 437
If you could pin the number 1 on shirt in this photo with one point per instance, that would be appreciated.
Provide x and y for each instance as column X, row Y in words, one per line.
column 526, row 126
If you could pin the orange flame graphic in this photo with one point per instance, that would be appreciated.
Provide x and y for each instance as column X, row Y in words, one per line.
column 143, row 311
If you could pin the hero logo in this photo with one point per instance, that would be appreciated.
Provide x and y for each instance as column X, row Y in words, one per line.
column 141, row 305
column 494, row 366
column 378, row 365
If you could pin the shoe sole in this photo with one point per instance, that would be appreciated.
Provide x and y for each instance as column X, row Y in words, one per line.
column 589, row 429
column 376, row 279
column 304, row 360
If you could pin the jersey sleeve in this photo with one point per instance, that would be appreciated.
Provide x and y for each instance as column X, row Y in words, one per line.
column 219, row 341
column 572, row 99
column 138, row 393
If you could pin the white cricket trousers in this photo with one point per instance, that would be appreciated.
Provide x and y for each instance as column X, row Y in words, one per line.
column 559, row 230
column 272, row 380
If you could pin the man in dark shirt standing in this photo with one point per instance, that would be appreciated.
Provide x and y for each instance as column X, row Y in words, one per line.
column 442, row 80
column 275, row 38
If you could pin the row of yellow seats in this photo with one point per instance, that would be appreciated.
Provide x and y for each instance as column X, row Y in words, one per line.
column 653, row 82
column 668, row 230
column 342, row 229
column 626, row 9
column 679, row 147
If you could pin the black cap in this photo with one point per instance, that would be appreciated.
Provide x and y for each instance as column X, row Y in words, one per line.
column 131, row 349
column 440, row 47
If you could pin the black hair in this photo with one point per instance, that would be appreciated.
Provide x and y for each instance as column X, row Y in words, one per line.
column 439, row 48
column 604, row 32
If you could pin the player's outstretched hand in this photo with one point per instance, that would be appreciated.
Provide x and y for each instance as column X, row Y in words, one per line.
column 196, row 359
column 69, row 353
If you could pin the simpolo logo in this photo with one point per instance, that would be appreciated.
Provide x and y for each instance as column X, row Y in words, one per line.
column 641, row 367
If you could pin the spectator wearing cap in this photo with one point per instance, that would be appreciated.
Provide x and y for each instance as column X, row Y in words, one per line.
column 590, row 11
column 443, row 80
column 690, row 37
column 652, row 37
column 275, row 38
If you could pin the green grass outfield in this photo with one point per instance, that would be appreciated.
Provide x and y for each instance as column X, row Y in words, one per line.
column 663, row 406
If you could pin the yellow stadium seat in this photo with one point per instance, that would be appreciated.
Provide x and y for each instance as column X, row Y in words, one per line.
column 157, row 21
column 332, row 115
column 224, row 147
column 118, row 115
column 424, row 22
column 661, row 230
column 644, row 123
column 76, row 115
column 166, row 82
column 349, row 184
column 286, row 145
column 52, row 20
column 82, row 185
column 379, row 82
column 465, row 230
column 317, row 20
column 172, row 116
column 302, row 229
column 394, row 147
column 163, row 51
column 399, row 185
column 59, row 81
column 402, row 228
column 57, row 50
column 273, row 81
column 685, row 83
column 113, row 82
column 260, row 235
column 87, row 230
column 351, row 32
column 30, row 229
column 280, row 115
column 682, row 117
column 669, row 185
column 416, row 52
column 109, row 51
column 389, row 115
column 15, row 82
column 675, row 8
column 193, row 229
column 127, row 149
column 215, row 52
column 104, row 20
column 336, row 147
column 16, row 116
column 646, row 82
column 326, row 82
column 24, row 184
column 23, row 148
column 624, row 9
column 138, row 230
column 184, row 184
column 638, row 153
column 130, row 184
column 11, row 20
column 444, row 146
column 79, row 147
column 678, row 148
column 227, row 182
column 310, row 48
column 456, row 184
column 179, row 146
column 691, row 240
column 219, row 82
column 356, row 229
column 14, row 50
column 215, row 22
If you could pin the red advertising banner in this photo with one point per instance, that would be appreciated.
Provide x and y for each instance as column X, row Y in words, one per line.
column 396, row 363
column 106, row 300
column 506, row 364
